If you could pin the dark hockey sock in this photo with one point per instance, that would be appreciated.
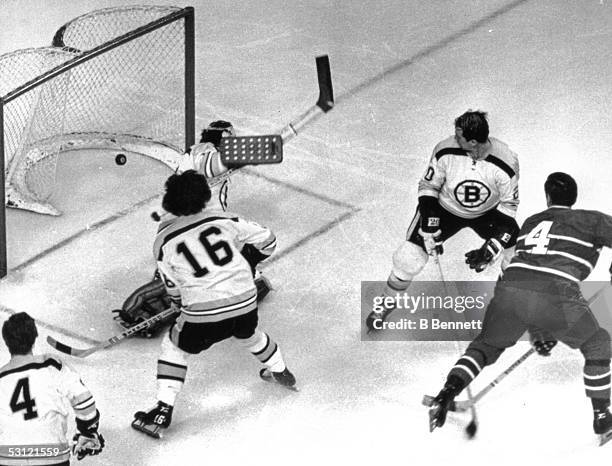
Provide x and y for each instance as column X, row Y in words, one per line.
column 467, row 367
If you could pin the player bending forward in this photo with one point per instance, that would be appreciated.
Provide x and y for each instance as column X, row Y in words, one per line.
column 471, row 182
column 199, row 260
column 540, row 292
column 151, row 298
column 36, row 393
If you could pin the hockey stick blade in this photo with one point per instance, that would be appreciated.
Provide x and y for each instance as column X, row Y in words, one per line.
column 326, row 91
column 67, row 349
column 82, row 353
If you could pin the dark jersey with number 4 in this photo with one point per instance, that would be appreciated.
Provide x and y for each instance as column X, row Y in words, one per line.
column 562, row 242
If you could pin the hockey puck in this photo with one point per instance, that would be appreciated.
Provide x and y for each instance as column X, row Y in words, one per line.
column 120, row 159
column 155, row 216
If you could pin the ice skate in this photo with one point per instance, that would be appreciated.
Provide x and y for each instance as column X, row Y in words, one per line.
column 378, row 316
column 285, row 378
column 440, row 406
column 154, row 421
column 602, row 425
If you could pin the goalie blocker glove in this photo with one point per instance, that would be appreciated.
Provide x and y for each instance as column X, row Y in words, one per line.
column 87, row 441
column 479, row 259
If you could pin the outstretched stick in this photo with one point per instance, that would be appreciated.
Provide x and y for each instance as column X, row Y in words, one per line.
column 82, row 353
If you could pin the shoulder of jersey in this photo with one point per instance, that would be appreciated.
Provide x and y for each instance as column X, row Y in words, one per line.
column 448, row 146
column 203, row 147
column 208, row 215
column 39, row 361
column 502, row 152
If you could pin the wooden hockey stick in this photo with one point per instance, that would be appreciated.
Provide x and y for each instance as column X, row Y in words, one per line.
column 82, row 353
column 462, row 406
column 472, row 427
column 257, row 150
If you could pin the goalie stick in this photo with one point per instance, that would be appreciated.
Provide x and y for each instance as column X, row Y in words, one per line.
column 324, row 104
column 257, row 150
column 463, row 406
column 82, row 353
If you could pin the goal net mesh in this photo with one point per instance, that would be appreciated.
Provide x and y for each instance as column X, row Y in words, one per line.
column 115, row 77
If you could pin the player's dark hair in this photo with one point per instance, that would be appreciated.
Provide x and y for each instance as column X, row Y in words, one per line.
column 561, row 188
column 19, row 333
column 186, row 194
column 474, row 125
column 214, row 132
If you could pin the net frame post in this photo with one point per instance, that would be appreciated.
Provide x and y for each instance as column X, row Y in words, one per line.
column 3, row 258
column 189, row 78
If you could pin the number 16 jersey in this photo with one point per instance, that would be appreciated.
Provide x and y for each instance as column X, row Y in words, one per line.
column 563, row 242
column 199, row 258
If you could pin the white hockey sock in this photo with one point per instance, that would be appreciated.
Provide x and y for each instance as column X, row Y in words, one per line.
column 171, row 371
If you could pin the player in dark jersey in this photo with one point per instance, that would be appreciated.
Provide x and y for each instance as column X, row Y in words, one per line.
column 539, row 292
column 471, row 182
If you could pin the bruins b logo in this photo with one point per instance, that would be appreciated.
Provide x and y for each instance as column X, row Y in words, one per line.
column 472, row 193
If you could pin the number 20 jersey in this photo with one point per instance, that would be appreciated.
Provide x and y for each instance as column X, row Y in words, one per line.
column 468, row 188
column 562, row 242
column 199, row 258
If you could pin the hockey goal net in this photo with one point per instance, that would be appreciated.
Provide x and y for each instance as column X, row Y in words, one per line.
column 116, row 78
column 118, row 75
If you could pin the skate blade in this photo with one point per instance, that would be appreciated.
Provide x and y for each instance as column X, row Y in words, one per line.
column 428, row 401
column 152, row 430
column 432, row 418
column 605, row 438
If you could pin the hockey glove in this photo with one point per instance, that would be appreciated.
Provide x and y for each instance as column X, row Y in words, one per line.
column 543, row 344
column 479, row 259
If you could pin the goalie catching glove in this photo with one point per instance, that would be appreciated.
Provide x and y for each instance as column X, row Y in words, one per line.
column 145, row 302
column 479, row 259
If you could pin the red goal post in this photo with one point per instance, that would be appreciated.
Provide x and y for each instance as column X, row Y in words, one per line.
column 116, row 78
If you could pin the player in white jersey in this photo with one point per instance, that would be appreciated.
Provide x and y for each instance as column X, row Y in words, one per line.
column 471, row 182
column 38, row 393
column 198, row 252
column 151, row 298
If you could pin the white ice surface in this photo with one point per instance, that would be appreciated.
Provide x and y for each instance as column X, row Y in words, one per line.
column 340, row 204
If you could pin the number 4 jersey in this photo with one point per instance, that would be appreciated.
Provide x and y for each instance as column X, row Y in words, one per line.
column 563, row 242
column 38, row 395
column 199, row 258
